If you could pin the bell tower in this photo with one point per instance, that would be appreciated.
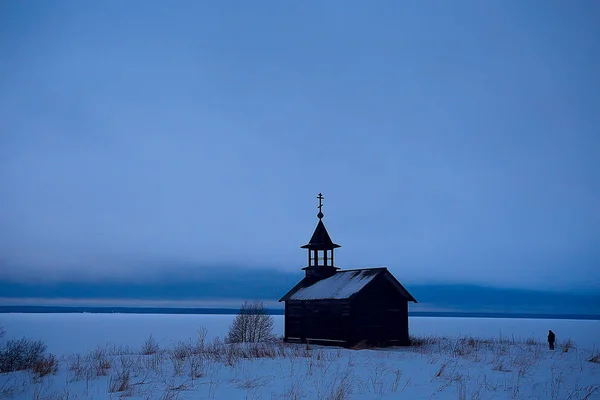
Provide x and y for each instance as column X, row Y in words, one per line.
column 320, row 250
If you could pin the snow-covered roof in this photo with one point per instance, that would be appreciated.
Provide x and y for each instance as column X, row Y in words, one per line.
column 342, row 285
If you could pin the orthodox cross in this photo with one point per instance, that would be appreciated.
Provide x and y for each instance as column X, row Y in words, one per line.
column 320, row 197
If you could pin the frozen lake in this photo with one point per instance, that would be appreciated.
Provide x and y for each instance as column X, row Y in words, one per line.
column 78, row 333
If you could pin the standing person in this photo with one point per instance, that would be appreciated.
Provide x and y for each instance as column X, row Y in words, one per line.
column 551, row 339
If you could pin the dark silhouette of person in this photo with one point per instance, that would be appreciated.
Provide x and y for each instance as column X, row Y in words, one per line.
column 551, row 339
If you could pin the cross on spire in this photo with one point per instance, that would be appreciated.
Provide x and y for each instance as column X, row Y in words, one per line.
column 320, row 214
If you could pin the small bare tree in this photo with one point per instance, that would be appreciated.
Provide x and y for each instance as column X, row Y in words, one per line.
column 252, row 324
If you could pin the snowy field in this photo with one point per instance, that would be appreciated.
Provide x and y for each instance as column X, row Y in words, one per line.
column 100, row 357
column 78, row 333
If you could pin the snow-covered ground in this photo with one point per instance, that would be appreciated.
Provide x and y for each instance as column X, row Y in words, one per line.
column 78, row 333
column 504, row 359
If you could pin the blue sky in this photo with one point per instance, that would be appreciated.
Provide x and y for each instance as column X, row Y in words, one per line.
column 454, row 142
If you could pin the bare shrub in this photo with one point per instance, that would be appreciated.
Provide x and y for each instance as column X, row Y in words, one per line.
column 232, row 356
column 2, row 331
column 118, row 350
column 150, row 346
column 178, row 365
column 182, row 350
column 100, row 361
column 132, row 364
column 197, row 366
column 252, row 324
column 154, row 361
column 179, row 355
column 22, row 354
column 78, row 367
column 120, row 382
column 201, row 341
column 46, row 365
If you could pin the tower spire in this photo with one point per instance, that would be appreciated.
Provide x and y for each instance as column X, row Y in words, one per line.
column 320, row 215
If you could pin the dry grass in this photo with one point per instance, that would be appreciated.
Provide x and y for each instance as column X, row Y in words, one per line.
column 503, row 365
column 341, row 388
column 362, row 345
column 594, row 356
column 568, row 345
column 422, row 341
column 94, row 364
column 440, row 371
column 531, row 341
column 294, row 391
column 188, row 363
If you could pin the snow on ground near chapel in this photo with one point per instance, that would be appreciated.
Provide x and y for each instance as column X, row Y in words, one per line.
column 514, row 364
column 77, row 333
